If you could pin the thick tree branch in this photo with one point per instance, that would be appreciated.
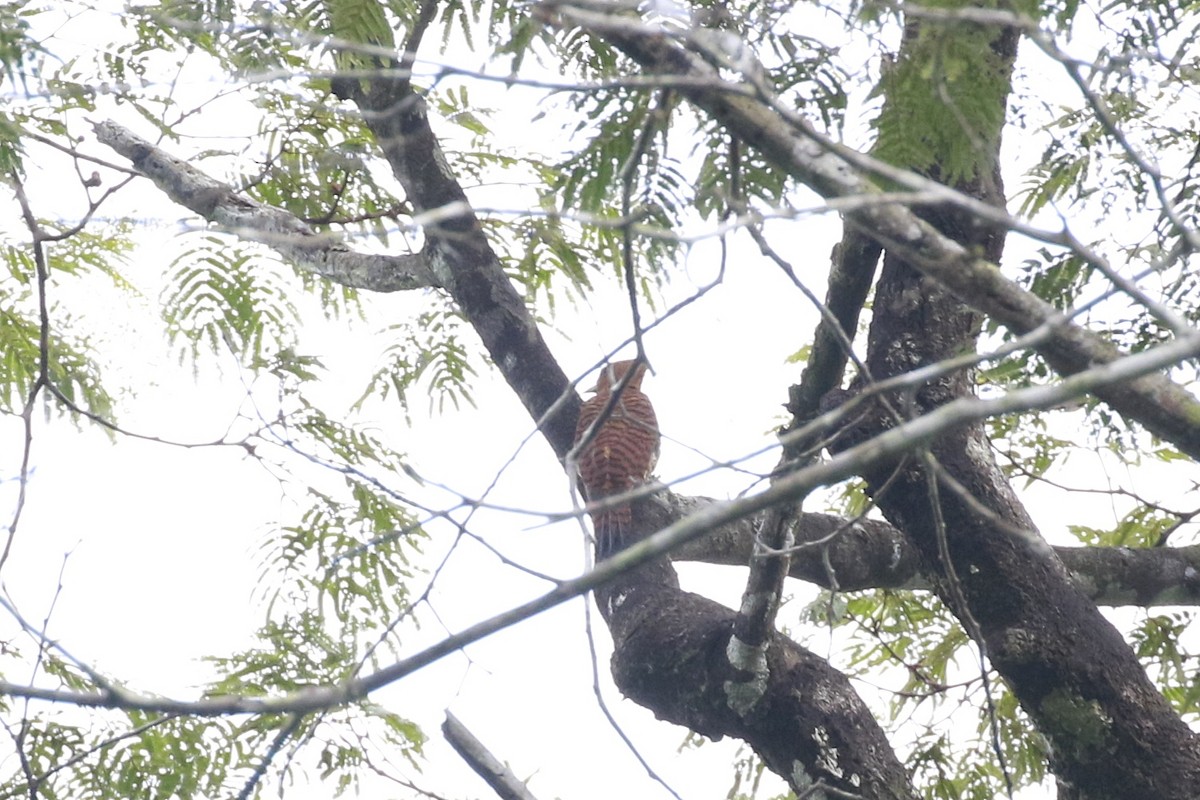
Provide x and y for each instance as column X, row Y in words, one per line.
column 636, row 604
column 1113, row 735
column 806, row 721
column 754, row 629
column 459, row 253
column 850, row 278
column 321, row 254
column 456, row 256
column 791, row 143
column 775, row 534
column 788, row 489
column 852, row 555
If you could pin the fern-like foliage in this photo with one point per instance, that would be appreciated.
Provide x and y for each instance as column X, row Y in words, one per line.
column 17, row 47
column 945, row 100
column 225, row 295
column 427, row 352
column 71, row 367
column 317, row 167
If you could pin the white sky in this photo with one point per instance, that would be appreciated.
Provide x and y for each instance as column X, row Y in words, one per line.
column 163, row 543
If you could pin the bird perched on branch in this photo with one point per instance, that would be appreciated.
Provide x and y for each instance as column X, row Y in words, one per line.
column 620, row 453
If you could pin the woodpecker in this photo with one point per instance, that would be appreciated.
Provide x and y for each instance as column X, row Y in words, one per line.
column 621, row 452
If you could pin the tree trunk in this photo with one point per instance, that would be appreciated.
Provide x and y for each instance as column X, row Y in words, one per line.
column 1113, row 734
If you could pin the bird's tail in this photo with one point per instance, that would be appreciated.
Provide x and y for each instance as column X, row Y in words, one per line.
column 613, row 527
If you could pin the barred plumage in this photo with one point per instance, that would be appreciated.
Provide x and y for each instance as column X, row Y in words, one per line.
column 620, row 454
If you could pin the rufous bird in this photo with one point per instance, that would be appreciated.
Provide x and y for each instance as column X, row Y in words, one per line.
column 620, row 453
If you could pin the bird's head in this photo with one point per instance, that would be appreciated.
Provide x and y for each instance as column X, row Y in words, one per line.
column 612, row 374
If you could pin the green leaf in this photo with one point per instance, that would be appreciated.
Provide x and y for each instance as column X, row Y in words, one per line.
column 225, row 294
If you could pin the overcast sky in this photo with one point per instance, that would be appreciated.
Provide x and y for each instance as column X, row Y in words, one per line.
column 162, row 545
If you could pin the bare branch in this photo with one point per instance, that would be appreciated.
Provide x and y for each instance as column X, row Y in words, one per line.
column 487, row 766
column 321, row 254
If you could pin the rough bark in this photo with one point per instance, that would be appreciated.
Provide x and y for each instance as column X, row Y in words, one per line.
column 671, row 654
column 851, row 555
column 1113, row 735
column 460, row 255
